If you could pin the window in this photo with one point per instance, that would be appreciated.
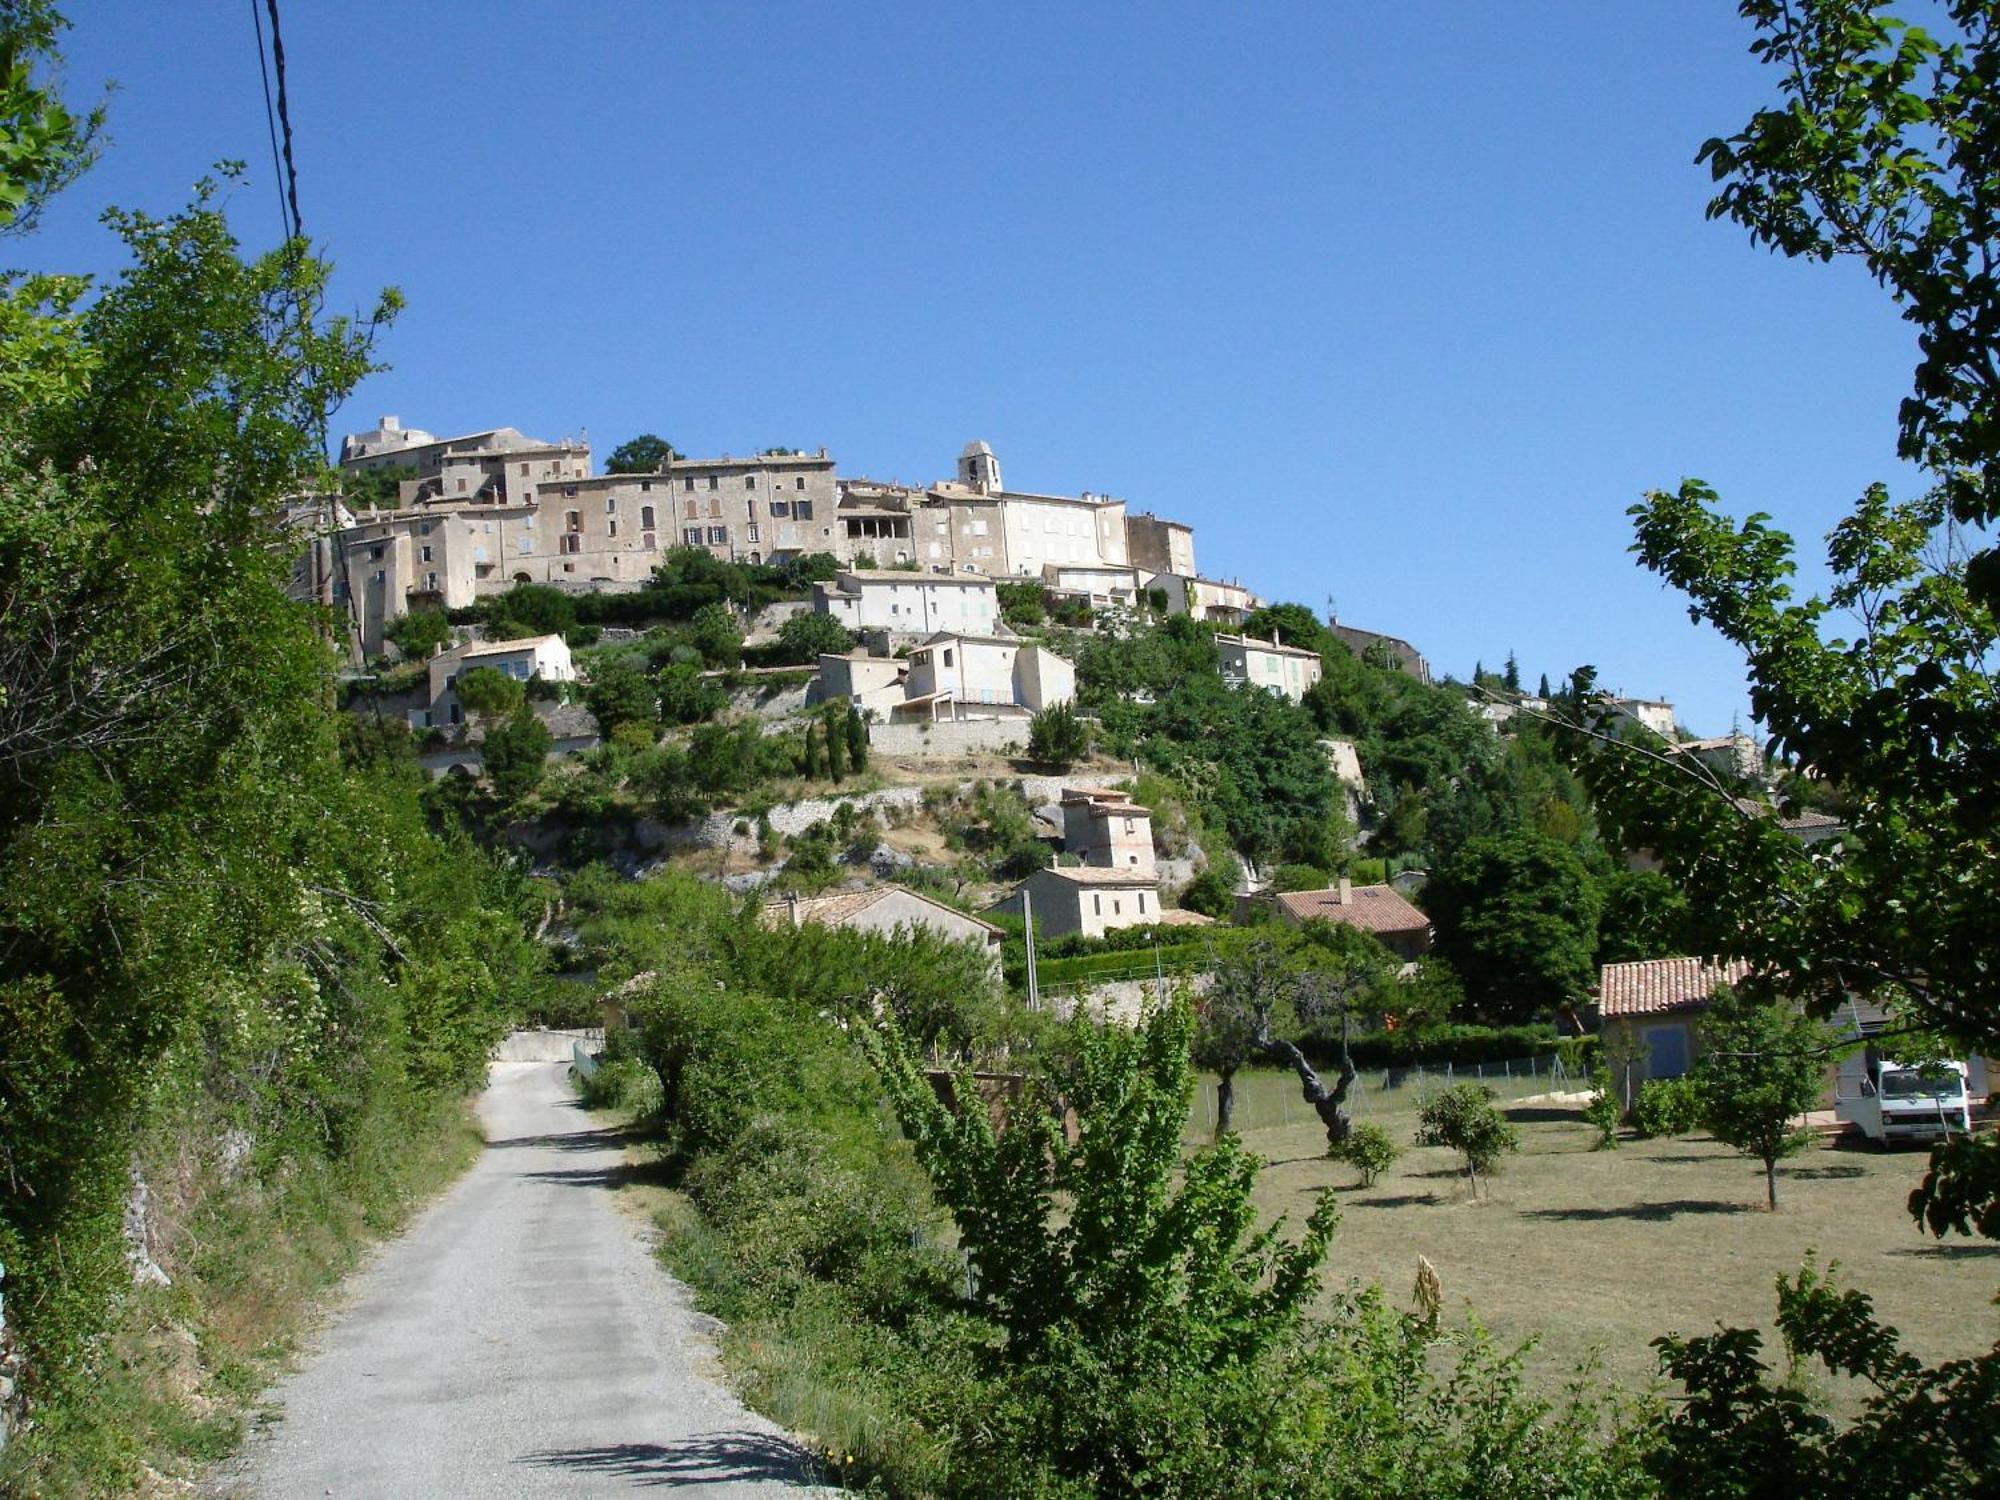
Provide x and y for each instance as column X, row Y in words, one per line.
column 751, row 531
column 692, row 510
column 612, row 528
column 610, row 502
column 569, row 567
column 573, row 520
column 750, row 509
column 947, row 650
column 691, row 536
column 646, row 517
column 1117, row 908
column 572, row 544
column 749, row 481
column 431, row 582
column 381, row 575
column 713, row 481
column 803, row 509
column 1129, row 825
column 425, row 529
column 524, row 471
column 1097, row 906
column 424, row 554
column 646, row 485
column 715, row 506
column 374, row 554
column 800, row 482
column 718, row 536
column 1142, row 903
column 651, row 542
column 688, row 483
column 569, row 493
column 461, row 486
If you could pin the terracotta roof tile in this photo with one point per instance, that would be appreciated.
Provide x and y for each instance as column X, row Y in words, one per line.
column 1372, row 908
column 1659, row 986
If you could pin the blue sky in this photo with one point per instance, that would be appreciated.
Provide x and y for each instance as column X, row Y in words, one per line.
column 1397, row 305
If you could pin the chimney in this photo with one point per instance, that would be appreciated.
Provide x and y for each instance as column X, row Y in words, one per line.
column 1346, row 891
column 792, row 908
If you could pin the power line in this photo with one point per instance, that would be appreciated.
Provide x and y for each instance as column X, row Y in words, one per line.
column 286, row 172
column 285, row 118
column 271, row 122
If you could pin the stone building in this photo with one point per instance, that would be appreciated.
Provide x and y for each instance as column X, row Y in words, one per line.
column 1107, row 830
column 1217, row 601
column 1398, row 652
column 1156, row 546
column 1089, row 900
column 543, row 656
column 910, row 605
column 1272, row 665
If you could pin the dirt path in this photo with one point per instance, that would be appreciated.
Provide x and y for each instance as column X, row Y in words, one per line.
column 519, row 1340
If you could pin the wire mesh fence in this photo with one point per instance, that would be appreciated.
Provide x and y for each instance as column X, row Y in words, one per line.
column 1266, row 1099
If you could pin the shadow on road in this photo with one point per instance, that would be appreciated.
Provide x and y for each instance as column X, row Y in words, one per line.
column 568, row 1140
column 706, row 1459
column 1647, row 1212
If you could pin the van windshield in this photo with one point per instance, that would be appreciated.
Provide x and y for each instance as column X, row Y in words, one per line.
column 1908, row 1083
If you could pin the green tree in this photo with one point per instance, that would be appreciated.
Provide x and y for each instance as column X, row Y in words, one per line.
column 1250, row 996
column 1644, row 915
column 1516, row 916
column 833, row 720
column 529, row 609
column 809, row 635
column 620, row 692
column 811, row 768
column 489, row 693
column 647, row 453
column 1511, row 677
column 1021, row 604
column 1462, row 1119
column 687, row 697
column 44, row 144
column 715, row 634
column 1761, row 1067
column 1877, row 153
column 856, row 732
column 420, row 633
column 1057, row 737
column 515, row 754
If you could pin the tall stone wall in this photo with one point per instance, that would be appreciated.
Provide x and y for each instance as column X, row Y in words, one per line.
column 950, row 737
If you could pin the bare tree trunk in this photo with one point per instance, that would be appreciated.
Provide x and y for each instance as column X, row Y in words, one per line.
column 1329, row 1104
column 1771, row 1181
column 1225, row 1101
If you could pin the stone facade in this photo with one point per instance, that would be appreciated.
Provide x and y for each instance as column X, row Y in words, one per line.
column 1156, row 546
column 1106, row 830
column 1090, row 901
column 1272, row 665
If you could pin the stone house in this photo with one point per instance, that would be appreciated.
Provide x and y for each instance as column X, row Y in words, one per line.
column 957, row 676
column 1736, row 757
column 1649, row 1010
column 910, row 605
column 1100, row 585
column 871, row 683
column 1087, row 900
column 1406, row 658
column 1210, row 599
column 1157, row 546
column 884, row 909
column 1107, row 830
column 1272, row 665
column 543, row 656
column 1655, row 715
column 1381, row 911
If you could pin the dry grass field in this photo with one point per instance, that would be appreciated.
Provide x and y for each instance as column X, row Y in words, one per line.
column 1604, row 1250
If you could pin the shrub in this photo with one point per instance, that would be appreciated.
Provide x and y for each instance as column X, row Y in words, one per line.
column 515, row 755
column 1463, row 1118
column 806, row 636
column 1602, row 1112
column 1056, row 736
column 1667, row 1106
column 1369, row 1150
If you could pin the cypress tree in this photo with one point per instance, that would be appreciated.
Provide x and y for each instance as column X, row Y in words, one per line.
column 857, row 740
column 836, row 745
column 812, row 752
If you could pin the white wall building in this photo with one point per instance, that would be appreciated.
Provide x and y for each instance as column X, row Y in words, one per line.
column 956, row 676
column 913, row 604
column 1271, row 665
column 543, row 656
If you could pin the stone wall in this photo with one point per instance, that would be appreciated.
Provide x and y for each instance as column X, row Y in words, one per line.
column 950, row 737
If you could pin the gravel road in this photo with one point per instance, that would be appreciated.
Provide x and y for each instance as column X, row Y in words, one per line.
column 518, row 1340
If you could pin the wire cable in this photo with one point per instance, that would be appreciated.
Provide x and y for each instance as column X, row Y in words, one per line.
column 285, row 118
column 271, row 123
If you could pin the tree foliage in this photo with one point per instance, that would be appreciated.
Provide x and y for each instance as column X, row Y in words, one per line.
column 1463, row 1119
column 1057, row 737
column 1761, row 1067
column 1517, row 919
column 647, row 453
column 809, row 635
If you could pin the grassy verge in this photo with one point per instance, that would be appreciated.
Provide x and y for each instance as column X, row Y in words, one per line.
column 250, row 1259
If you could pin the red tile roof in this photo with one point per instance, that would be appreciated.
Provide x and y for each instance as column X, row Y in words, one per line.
column 1372, row 908
column 1659, row 986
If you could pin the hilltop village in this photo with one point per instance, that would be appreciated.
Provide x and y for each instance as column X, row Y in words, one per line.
column 985, row 701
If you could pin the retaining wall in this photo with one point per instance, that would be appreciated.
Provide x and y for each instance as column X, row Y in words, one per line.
column 546, row 1046
column 948, row 737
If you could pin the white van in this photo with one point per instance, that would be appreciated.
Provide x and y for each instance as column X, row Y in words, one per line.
column 1909, row 1102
